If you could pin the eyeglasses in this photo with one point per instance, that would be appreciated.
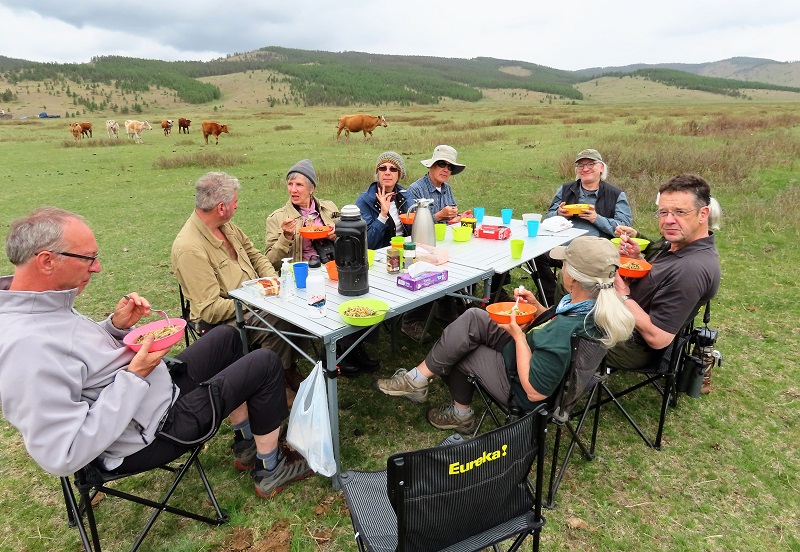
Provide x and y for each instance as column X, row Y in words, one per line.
column 77, row 256
column 677, row 213
column 584, row 166
column 445, row 165
column 390, row 168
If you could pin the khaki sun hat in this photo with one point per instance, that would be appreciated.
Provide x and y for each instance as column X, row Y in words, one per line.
column 592, row 154
column 445, row 153
column 593, row 256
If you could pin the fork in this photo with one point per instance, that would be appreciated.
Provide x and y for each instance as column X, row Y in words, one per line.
column 164, row 314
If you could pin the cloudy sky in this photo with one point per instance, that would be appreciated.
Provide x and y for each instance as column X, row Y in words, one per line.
column 565, row 35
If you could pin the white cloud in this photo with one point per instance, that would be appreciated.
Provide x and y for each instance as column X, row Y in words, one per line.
column 561, row 35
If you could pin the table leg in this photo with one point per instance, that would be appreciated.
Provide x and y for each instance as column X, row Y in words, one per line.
column 333, row 405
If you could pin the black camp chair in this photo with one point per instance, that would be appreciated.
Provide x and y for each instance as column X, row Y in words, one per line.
column 192, row 332
column 93, row 479
column 581, row 381
column 663, row 375
column 460, row 497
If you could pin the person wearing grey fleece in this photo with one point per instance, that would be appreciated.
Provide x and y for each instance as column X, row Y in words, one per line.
column 77, row 394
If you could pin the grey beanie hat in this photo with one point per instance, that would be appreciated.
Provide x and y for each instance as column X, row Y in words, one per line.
column 305, row 168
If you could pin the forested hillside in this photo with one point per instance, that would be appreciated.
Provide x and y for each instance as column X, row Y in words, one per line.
column 323, row 78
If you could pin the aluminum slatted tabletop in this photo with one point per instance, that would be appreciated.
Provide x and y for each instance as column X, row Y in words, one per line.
column 331, row 328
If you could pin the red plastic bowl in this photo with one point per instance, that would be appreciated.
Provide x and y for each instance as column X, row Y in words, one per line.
column 158, row 344
column 408, row 218
column 522, row 317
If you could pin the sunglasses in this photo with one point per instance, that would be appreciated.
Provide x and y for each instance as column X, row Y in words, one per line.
column 390, row 168
column 445, row 165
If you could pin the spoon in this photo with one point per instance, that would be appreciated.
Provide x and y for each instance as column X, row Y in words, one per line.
column 520, row 289
column 163, row 313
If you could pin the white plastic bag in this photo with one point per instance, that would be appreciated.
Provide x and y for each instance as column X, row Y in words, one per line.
column 309, row 425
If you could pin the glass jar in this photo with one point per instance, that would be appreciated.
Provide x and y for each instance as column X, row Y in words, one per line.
column 393, row 260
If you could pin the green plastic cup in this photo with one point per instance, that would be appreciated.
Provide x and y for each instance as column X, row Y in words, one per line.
column 516, row 248
column 440, row 230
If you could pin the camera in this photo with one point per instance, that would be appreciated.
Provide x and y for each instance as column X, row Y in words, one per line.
column 704, row 337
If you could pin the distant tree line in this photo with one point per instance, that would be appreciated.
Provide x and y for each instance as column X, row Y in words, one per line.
column 714, row 85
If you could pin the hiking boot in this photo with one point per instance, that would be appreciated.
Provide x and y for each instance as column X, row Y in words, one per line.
column 357, row 362
column 445, row 418
column 269, row 483
column 400, row 385
column 244, row 453
column 415, row 330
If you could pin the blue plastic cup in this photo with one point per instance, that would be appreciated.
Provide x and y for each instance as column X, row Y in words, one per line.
column 533, row 228
column 478, row 213
column 300, row 274
column 506, row 215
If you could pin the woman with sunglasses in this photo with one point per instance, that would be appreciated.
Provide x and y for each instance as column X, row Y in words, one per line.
column 383, row 202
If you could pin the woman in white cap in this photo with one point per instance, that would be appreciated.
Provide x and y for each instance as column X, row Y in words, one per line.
column 382, row 203
column 441, row 166
column 528, row 365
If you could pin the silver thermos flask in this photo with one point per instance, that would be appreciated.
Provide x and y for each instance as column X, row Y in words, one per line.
column 422, row 230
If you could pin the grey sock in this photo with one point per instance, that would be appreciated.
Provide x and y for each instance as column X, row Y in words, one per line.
column 269, row 460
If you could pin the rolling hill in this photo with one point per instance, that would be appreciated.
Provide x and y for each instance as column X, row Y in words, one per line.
column 273, row 76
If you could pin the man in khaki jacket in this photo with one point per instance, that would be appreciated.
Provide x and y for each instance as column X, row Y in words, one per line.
column 212, row 255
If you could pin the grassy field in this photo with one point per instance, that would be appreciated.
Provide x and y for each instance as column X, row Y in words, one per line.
column 728, row 475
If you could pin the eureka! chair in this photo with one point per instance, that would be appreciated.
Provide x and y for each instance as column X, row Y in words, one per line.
column 461, row 497
column 93, row 479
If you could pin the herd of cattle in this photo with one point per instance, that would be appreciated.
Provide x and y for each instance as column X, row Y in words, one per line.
column 349, row 123
column 134, row 129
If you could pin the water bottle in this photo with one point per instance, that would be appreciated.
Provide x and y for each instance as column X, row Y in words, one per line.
column 422, row 230
column 350, row 252
column 315, row 288
column 287, row 282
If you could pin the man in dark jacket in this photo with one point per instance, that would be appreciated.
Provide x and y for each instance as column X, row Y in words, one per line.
column 607, row 208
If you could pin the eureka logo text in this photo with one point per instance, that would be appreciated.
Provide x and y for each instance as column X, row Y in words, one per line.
column 457, row 467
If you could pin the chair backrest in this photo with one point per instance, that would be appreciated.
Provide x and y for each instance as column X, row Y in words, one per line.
column 581, row 377
column 443, row 495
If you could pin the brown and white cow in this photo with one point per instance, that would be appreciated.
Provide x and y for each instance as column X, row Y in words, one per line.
column 86, row 129
column 183, row 124
column 134, row 129
column 76, row 130
column 211, row 128
column 112, row 127
column 166, row 125
column 359, row 122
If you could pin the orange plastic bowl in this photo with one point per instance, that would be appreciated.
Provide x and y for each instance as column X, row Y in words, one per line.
column 632, row 272
column 524, row 316
column 315, row 232
column 333, row 272
column 407, row 218
column 158, row 344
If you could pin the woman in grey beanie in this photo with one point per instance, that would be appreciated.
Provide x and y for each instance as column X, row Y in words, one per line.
column 382, row 203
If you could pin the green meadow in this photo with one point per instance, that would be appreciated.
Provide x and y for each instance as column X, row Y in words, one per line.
column 728, row 475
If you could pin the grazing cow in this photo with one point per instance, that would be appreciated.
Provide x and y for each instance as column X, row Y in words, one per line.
column 86, row 129
column 166, row 124
column 183, row 124
column 112, row 127
column 76, row 130
column 210, row 128
column 135, row 128
column 359, row 122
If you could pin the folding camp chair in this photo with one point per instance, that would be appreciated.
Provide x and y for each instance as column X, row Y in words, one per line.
column 93, row 479
column 582, row 381
column 461, row 497
column 662, row 375
column 192, row 332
